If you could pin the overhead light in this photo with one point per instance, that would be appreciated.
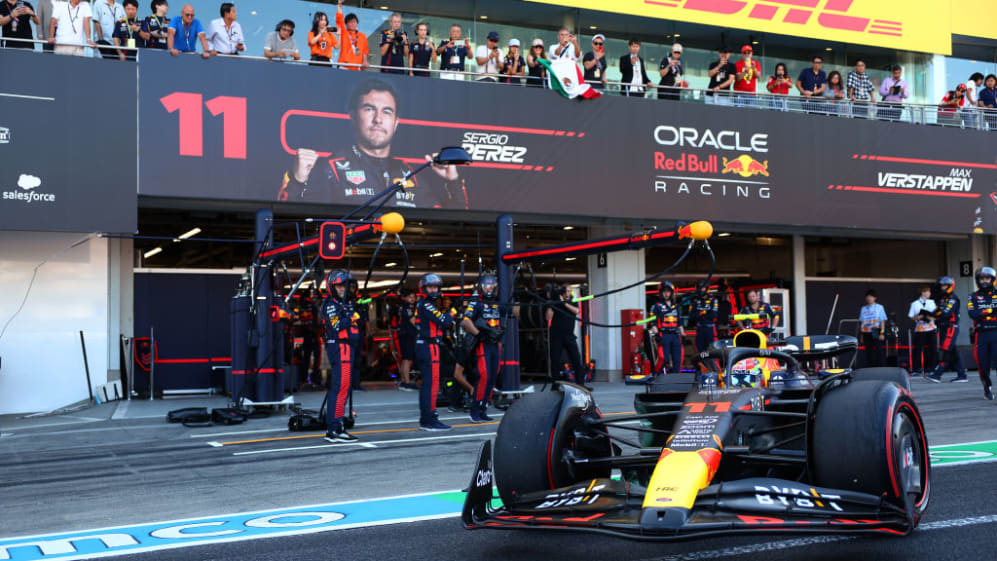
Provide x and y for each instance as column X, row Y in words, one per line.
column 483, row 17
column 754, row 42
column 570, row 258
column 152, row 252
column 384, row 7
column 723, row 234
column 253, row 13
column 392, row 264
column 678, row 35
column 189, row 233
column 596, row 27
column 568, row 228
column 437, row 254
column 827, row 48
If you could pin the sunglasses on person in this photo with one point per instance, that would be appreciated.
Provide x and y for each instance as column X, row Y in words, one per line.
column 597, row 44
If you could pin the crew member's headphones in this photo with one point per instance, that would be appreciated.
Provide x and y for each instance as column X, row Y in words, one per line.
column 286, row 22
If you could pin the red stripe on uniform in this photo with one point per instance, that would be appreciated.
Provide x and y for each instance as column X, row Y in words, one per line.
column 479, row 392
column 434, row 355
column 346, row 362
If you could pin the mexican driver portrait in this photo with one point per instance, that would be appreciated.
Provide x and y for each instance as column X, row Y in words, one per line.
column 354, row 174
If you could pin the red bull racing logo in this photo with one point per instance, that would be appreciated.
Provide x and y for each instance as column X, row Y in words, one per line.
column 746, row 166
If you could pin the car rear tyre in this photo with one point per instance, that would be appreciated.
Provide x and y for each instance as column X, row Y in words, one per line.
column 868, row 437
column 886, row 373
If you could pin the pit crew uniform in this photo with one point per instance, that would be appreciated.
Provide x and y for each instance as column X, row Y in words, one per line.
column 947, row 320
column 342, row 338
column 432, row 323
column 352, row 177
column 487, row 350
column 982, row 306
column 766, row 317
column 667, row 319
column 704, row 311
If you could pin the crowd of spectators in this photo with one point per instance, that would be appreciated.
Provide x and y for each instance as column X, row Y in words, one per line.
column 69, row 26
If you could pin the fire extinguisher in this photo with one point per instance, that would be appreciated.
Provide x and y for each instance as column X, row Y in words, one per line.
column 636, row 363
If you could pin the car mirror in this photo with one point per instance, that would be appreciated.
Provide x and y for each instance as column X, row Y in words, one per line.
column 452, row 156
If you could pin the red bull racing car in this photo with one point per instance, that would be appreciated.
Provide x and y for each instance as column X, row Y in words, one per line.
column 766, row 439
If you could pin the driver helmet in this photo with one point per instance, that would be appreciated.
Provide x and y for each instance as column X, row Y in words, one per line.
column 981, row 274
column 337, row 276
column 431, row 280
column 488, row 286
column 667, row 285
column 947, row 284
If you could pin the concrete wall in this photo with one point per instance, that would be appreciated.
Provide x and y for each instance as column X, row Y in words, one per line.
column 42, row 361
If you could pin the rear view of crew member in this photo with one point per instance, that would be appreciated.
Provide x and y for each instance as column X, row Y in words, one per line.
column 404, row 329
column 947, row 320
column 483, row 319
column 704, row 312
column 767, row 319
column 560, row 318
column 432, row 324
column 667, row 329
column 982, row 306
column 342, row 338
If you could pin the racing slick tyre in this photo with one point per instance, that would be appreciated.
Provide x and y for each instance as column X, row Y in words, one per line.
column 887, row 373
column 522, row 459
column 868, row 437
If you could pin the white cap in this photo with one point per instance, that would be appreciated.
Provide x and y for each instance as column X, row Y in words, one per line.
column 677, row 48
column 599, row 36
column 513, row 42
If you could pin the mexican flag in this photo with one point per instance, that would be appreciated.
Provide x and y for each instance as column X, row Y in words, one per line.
column 565, row 77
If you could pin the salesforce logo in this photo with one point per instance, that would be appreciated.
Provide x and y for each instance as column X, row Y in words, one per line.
column 28, row 183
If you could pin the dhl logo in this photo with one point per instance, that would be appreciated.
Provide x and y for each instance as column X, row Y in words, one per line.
column 833, row 17
column 746, row 166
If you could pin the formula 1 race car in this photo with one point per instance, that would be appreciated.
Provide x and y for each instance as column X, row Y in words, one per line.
column 765, row 439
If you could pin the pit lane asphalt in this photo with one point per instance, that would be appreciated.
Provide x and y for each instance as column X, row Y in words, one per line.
column 122, row 472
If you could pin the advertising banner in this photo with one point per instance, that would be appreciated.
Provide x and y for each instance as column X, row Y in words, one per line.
column 914, row 25
column 67, row 144
column 240, row 130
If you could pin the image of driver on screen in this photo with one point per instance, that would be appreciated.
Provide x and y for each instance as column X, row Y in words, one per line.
column 355, row 174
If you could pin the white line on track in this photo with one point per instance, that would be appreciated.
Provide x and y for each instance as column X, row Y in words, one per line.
column 755, row 549
column 360, row 425
column 400, row 440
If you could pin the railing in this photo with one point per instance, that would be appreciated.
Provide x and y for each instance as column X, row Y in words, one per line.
column 978, row 118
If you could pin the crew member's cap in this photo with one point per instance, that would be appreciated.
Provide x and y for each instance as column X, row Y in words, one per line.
column 513, row 42
column 493, row 36
column 747, row 49
column 961, row 87
column 599, row 36
column 538, row 42
column 677, row 48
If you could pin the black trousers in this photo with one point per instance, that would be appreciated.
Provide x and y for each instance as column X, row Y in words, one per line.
column 560, row 344
column 924, row 355
column 875, row 351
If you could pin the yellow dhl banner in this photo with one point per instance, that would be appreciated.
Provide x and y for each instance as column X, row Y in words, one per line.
column 910, row 25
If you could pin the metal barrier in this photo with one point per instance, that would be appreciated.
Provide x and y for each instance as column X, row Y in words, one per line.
column 978, row 118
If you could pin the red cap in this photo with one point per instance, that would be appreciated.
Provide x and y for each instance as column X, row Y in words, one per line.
column 746, row 49
column 961, row 87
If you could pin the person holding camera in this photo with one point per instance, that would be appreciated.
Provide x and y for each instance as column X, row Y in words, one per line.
column 595, row 63
column 394, row 46
column 925, row 351
column 566, row 46
column 321, row 39
column 453, row 54
column 560, row 315
column 15, row 18
column 894, row 90
column 670, row 71
column 489, row 59
column 513, row 65
column 953, row 101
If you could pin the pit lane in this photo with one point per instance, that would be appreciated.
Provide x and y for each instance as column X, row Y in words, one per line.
column 144, row 471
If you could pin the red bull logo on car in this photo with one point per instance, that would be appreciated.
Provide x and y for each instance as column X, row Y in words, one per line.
column 746, row 166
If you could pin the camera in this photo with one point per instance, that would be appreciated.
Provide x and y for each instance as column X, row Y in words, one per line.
column 399, row 38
